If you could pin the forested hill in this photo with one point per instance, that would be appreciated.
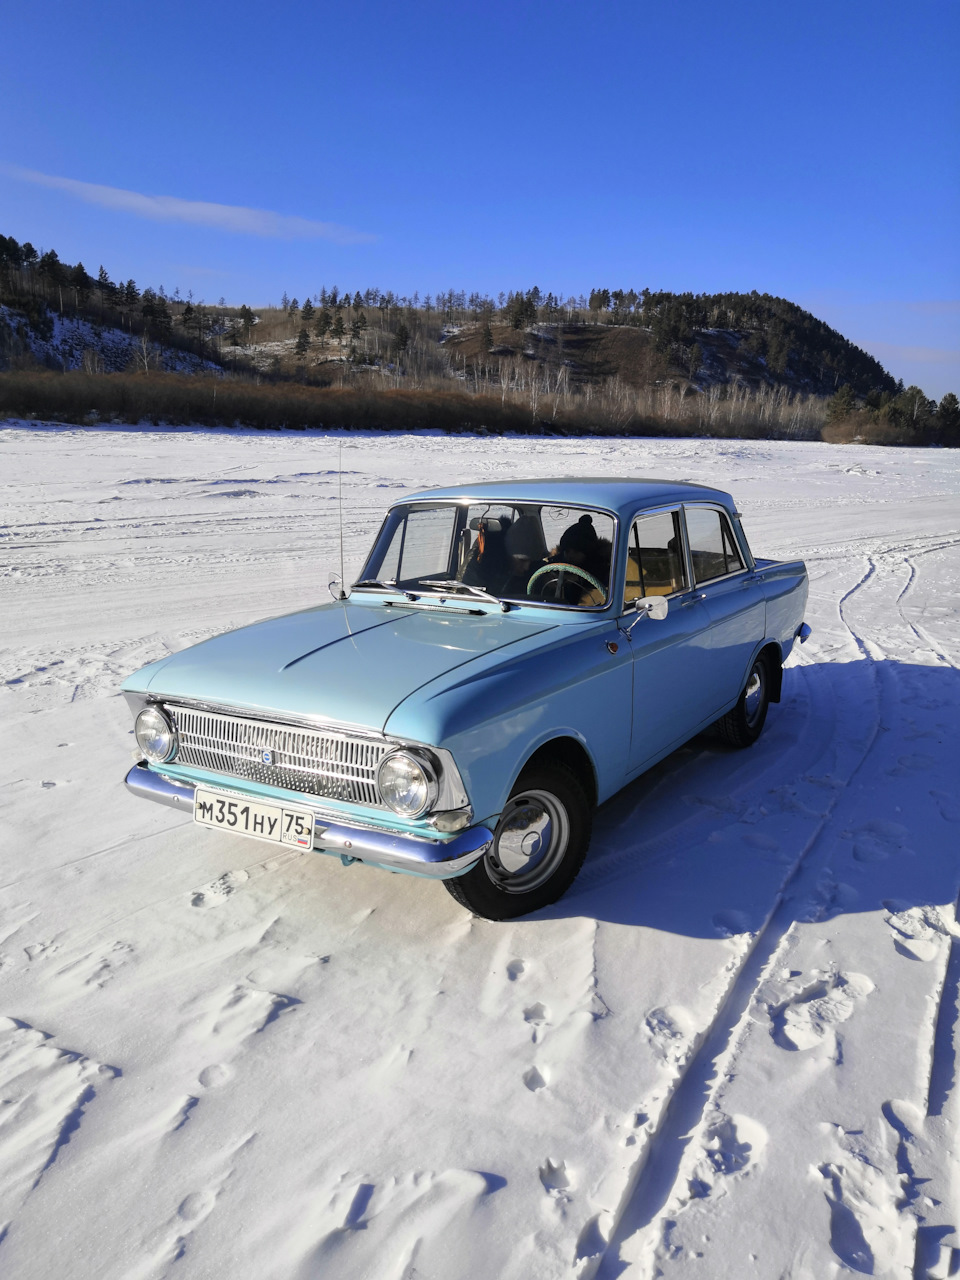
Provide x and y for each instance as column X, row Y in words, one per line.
column 781, row 340
column 642, row 339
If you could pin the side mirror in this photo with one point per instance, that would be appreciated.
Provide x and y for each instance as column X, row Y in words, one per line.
column 335, row 587
column 655, row 607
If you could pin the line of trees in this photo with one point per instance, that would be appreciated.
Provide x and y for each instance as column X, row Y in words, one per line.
column 405, row 337
column 906, row 416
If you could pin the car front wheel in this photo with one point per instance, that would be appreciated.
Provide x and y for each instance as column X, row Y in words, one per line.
column 538, row 847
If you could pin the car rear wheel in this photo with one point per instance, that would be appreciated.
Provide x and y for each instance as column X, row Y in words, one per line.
column 742, row 726
column 538, row 847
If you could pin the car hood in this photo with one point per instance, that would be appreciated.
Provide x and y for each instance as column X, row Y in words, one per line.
column 347, row 663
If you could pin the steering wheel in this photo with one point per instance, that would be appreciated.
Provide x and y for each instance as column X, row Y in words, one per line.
column 552, row 578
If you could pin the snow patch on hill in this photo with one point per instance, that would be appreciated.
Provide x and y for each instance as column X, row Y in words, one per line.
column 76, row 343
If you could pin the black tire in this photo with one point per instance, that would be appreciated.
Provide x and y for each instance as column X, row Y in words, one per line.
column 742, row 726
column 510, row 881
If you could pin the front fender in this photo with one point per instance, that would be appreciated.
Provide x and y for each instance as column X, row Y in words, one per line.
column 493, row 720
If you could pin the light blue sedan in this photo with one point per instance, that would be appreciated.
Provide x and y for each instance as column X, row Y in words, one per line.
column 511, row 656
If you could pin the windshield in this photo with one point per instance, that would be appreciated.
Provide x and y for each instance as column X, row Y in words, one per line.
column 528, row 552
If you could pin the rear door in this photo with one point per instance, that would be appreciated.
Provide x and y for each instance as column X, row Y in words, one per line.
column 731, row 597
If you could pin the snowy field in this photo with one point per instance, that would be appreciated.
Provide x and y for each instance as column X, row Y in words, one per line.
column 730, row 1051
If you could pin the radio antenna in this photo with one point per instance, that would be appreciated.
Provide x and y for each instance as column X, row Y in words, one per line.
column 343, row 593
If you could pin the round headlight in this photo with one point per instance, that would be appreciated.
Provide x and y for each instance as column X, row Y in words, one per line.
column 156, row 736
column 408, row 784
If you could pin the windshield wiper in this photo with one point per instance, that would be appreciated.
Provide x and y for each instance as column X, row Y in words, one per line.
column 384, row 586
column 454, row 584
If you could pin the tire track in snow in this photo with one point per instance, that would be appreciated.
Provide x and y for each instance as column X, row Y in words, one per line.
column 653, row 1180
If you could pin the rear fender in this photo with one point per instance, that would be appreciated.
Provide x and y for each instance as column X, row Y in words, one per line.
column 771, row 649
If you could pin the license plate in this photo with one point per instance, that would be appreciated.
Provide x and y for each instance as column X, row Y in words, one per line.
column 251, row 818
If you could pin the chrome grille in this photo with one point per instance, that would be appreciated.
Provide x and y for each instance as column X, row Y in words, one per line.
column 320, row 762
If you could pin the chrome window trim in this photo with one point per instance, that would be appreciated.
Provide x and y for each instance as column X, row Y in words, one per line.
column 723, row 514
column 526, row 502
column 665, row 509
column 748, row 556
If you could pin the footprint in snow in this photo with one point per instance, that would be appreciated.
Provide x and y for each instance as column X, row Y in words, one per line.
column 536, row 1014
column 729, row 1145
column 554, row 1176
column 214, row 1076
column 669, row 1032
column 875, row 841
column 810, row 1014
column 515, row 970
column 909, row 764
column 948, row 805
column 918, row 931
column 197, row 1205
column 212, row 895
column 534, row 1080
column 37, row 949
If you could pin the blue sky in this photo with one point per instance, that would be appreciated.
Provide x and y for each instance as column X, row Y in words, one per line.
column 807, row 150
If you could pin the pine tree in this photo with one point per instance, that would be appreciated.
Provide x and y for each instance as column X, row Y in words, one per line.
column 401, row 339
column 842, row 405
column 339, row 328
column 307, row 312
column 246, row 318
column 323, row 325
column 303, row 345
column 948, row 420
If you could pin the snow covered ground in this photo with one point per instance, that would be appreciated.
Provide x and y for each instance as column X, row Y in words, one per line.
column 730, row 1051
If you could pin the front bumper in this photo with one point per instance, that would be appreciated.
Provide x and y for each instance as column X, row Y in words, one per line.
column 417, row 855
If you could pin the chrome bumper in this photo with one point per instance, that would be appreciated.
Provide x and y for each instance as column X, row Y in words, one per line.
column 438, row 859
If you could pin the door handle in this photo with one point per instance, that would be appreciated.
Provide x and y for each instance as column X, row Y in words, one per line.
column 697, row 596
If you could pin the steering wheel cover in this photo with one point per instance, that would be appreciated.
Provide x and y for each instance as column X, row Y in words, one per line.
column 569, row 568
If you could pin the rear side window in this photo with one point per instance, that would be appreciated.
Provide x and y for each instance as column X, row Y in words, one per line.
column 712, row 547
column 655, row 564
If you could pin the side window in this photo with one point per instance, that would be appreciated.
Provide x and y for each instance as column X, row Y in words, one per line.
column 712, row 547
column 655, row 564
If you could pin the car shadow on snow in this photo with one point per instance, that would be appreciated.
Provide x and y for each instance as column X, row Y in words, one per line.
column 848, row 802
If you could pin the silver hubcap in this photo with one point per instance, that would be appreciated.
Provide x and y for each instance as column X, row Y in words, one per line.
column 530, row 841
column 753, row 698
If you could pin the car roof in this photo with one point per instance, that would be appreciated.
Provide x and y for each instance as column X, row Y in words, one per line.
column 621, row 494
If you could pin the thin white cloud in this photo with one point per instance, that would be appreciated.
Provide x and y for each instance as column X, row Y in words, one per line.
column 202, row 213
column 885, row 351
column 940, row 307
